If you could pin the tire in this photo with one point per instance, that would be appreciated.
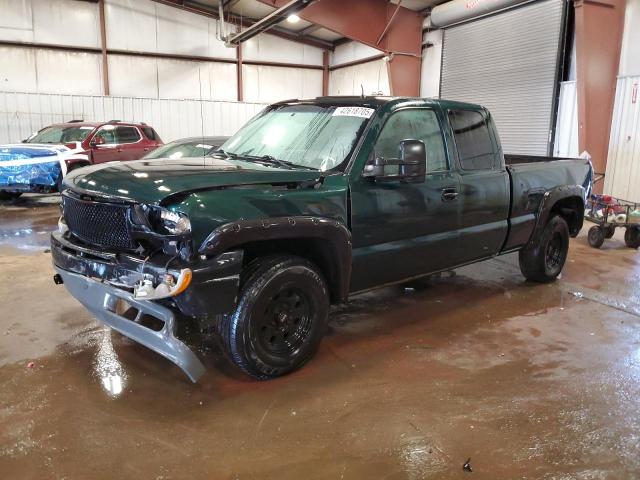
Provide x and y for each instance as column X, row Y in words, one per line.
column 4, row 195
column 596, row 236
column 280, row 319
column 610, row 231
column 632, row 237
column 543, row 261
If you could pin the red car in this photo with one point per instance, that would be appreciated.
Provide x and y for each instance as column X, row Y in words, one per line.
column 102, row 141
column 39, row 163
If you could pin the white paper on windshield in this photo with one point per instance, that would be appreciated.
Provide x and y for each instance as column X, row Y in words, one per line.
column 362, row 112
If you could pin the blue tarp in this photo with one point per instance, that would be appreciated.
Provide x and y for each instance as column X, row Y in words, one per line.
column 23, row 165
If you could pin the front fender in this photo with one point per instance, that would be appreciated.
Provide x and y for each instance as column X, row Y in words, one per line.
column 335, row 236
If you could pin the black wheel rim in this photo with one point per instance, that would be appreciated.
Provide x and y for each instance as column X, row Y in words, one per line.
column 286, row 323
column 554, row 252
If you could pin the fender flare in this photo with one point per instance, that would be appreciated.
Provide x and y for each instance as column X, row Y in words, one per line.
column 549, row 199
column 334, row 233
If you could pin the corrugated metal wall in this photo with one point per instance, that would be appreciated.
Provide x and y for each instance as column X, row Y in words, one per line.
column 507, row 62
column 144, row 26
column 622, row 177
column 24, row 113
column 566, row 141
column 372, row 77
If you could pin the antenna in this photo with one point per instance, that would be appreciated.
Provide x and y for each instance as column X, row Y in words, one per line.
column 362, row 91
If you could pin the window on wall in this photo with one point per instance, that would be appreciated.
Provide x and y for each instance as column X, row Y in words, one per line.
column 473, row 140
column 415, row 124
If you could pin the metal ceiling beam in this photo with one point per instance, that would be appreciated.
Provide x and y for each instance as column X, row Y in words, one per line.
column 244, row 22
column 398, row 30
column 266, row 23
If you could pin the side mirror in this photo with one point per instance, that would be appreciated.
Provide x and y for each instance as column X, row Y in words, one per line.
column 97, row 140
column 411, row 166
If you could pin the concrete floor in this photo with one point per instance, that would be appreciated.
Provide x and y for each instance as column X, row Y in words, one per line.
column 529, row 381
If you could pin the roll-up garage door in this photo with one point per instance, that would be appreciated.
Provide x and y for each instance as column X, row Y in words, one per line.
column 508, row 63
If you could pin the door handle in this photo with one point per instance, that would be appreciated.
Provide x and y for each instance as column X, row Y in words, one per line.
column 119, row 150
column 146, row 149
column 449, row 194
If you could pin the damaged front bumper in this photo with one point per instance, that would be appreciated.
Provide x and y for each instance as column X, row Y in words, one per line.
column 103, row 282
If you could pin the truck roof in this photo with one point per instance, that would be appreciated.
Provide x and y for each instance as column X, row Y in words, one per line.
column 376, row 101
column 80, row 123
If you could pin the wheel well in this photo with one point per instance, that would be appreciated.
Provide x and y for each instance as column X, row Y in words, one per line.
column 317, row 250
column 572, row 210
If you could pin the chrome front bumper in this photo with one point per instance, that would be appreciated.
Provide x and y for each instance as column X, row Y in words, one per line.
column 101, row 300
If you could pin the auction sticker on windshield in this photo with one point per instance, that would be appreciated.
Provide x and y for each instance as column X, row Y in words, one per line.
column 362, row 112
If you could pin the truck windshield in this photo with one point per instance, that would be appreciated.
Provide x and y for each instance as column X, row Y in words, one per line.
column 61, row 134
column 312, row 136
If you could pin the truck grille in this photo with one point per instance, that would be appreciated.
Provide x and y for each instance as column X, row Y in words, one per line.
column 98, row 223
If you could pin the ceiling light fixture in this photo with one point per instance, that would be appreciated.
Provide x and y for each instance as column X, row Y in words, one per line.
column 293, row 18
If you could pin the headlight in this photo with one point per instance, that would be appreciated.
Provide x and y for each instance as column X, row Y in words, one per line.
column 176, row 223
column 166, row 221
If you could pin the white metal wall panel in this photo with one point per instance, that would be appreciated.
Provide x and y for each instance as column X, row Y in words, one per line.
column 18, row 69
column 147, row 26
column 50, row 71
column 630, row 54
column 197, row 80
column 566, row 139
column 269, row 48
column 507, row 62
column 24, row 113
column 268, row 84
column 350, row 52
column 16, row 23
column 66, row 22
column 69, row 72
column 372, row 77
column 131, row 25
column 622, row 178
column 133, row 76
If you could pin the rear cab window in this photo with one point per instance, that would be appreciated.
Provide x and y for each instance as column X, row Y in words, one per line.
column 473, row 139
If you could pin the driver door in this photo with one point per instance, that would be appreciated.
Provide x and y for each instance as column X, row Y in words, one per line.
column 108, row 150
column 403, row 229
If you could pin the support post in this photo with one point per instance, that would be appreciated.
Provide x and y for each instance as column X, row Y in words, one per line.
column 239, row 73
column 103, row 45
column 325, row 73
column 599, row 26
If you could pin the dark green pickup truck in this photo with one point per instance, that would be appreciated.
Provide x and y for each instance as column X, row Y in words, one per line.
column 309, row 202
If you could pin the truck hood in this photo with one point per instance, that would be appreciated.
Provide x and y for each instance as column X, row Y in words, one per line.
column 156, row 181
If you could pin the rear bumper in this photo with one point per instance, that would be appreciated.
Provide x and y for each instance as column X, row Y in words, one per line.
column 99, row 280
column 102, row 299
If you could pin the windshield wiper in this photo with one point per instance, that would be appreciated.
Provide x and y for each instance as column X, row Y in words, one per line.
column 221, row 152
column 276, row 161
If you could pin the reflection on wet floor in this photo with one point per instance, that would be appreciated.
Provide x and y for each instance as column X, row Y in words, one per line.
column 26, row 223
column 529, row 381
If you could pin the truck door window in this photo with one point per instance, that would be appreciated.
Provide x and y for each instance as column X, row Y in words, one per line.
column 415, row 124
column 127, row 134
column 473, row 140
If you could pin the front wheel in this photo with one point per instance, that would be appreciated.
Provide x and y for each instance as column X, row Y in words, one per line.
column 632, row 237
column 280, row 318
column 596, row 236
column 543, row 261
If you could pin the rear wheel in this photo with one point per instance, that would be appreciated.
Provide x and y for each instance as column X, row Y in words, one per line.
column 596, row 236
column 280, row 318
column 632, row 237
column 4, row 195
column 543, row 261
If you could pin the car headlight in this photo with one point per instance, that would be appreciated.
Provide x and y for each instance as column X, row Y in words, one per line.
column 167, row 221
